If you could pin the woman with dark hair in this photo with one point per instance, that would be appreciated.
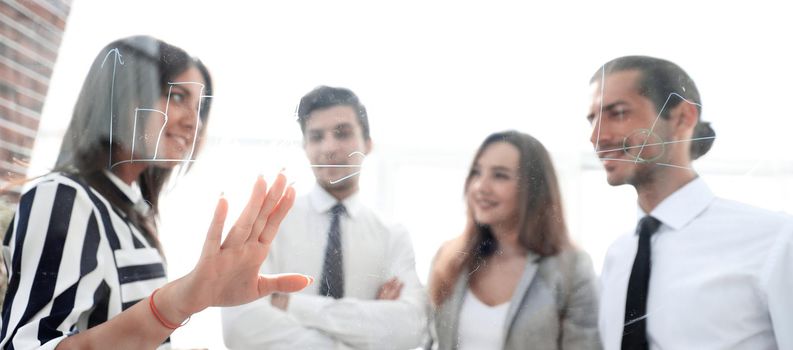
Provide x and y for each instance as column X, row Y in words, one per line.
column 513, row 280
column 85, row 265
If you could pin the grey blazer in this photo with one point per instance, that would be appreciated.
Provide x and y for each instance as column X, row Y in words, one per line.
column 554, row 306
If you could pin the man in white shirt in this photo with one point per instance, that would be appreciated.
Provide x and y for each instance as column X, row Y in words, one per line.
column 700, row 272
column 366, row 294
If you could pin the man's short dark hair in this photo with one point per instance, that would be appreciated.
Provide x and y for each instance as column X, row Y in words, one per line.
column 659, row 80
column 325, row 97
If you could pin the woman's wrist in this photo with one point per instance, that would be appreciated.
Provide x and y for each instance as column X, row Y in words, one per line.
column 158, row 315
column 173, row 302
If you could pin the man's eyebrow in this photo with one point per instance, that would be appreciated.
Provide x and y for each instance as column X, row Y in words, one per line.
column 503, row 168
column 612, row 106
column 342, row 126
column 608, row 108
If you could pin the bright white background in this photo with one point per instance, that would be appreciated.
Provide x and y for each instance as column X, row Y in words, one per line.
column 437, row 77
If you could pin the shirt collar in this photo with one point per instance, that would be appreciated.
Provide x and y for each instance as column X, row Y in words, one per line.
column 683, row 205
column 131, row 191
column 322, row 201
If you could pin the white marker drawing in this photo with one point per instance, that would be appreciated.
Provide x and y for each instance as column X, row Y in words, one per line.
column 647, row 135
column 116, row 59
column 135, row 128
column 333, row 182
column 656, row 144
column 189, row 157
column 600, row 114
column 625, row 148
column 659, row 117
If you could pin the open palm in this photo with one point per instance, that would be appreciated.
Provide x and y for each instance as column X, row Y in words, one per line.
column 227, row 273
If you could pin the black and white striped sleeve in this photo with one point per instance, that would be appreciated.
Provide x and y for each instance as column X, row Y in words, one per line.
column 53, row 259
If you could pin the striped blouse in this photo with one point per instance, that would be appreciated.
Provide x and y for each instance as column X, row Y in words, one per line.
column 73, row 262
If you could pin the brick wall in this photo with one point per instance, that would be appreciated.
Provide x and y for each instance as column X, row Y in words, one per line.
column 30, row 35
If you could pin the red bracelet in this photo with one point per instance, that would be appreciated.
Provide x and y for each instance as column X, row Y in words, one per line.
column 159, row 317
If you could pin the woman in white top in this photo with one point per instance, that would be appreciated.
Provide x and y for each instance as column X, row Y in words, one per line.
column 512, row 279
column 84, row 260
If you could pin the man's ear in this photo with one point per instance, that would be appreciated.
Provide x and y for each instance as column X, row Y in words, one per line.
column 367, row 146
column 685, row 118
column 689, row 115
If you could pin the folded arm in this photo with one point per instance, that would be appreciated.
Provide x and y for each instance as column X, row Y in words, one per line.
column 372, row 324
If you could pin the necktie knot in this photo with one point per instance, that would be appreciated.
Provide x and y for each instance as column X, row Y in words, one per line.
column 647, row 226
column 338, row 209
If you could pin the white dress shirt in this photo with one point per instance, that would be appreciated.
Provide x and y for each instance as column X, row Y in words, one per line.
column 721, row 278
column 372, row 252
column 481, row 326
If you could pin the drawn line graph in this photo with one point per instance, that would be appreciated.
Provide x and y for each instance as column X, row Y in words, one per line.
column 141, row 111
column 164, row 114
column 145, row 112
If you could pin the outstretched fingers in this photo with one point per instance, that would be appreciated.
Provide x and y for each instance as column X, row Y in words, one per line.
column 215, row 232
column 283, row 283
column 277, row 215
column 270, row 201
column 243, row 228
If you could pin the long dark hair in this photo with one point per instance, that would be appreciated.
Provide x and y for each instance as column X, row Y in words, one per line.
column 541, row 224
column 129, row 73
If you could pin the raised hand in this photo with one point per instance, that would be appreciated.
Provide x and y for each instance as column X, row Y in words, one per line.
column 227, row 273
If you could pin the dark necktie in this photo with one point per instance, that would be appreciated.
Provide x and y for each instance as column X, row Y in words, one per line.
column 332, row 282
column 634, row 335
